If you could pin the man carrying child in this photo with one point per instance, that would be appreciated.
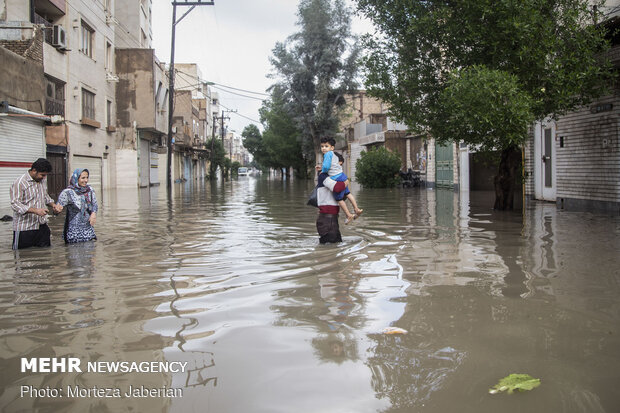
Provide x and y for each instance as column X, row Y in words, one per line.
column 332, row 166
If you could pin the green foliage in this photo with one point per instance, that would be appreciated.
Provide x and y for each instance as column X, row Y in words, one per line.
column 545, row 56
column 234, row 168
column 519, row 382
column 253, row 142
column 281, row 137
column 483, row 107
column 315, row 68
column 378, row 168
column 217, row 156
column 226, row 167
column 280, row 144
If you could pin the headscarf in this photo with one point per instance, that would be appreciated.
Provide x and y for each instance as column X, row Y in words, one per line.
column 84, row 192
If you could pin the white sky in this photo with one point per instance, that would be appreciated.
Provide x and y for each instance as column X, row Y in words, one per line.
column 231, row 42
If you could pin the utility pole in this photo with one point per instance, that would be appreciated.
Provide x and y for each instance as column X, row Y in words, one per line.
column 222, row 120
column 176, row 3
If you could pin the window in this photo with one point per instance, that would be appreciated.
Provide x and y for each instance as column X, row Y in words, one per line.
column 87, row 33
column 88, row 104
column 108, row 120
column 108, row 56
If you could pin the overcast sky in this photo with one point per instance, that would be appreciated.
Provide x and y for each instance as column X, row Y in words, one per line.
column 231, row 42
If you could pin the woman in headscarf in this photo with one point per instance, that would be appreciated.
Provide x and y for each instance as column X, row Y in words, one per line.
column 81, row 203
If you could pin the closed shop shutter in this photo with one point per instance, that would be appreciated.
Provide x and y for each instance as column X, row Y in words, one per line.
column 22, row 141
column 94, row 172
column 145, row 168
column 154, row 165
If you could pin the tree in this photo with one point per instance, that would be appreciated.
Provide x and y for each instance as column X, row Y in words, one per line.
column 280, row 145
column 316, row 67
column 253, row 142
column 234, row 168
column 479, row 71
column 216, row 157
column 281, row 138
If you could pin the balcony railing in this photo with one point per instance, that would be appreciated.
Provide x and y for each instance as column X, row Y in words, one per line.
column 49, row 28
column 54, row 107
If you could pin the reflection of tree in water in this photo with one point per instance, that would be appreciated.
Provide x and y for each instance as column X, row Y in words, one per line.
column 407, row 374
column 336, row 347
column 329, row 307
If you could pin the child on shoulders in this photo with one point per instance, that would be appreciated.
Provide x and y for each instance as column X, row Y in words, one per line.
column 332, row 165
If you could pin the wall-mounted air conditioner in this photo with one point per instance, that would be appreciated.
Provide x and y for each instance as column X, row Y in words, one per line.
column 59, row 38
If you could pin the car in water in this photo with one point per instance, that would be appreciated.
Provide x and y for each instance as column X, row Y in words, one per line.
column 243, row 171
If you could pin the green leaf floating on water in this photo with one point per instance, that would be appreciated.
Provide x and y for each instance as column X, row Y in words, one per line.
column 520, row 382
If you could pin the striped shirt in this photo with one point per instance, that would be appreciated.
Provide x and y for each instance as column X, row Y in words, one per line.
column 27, row 193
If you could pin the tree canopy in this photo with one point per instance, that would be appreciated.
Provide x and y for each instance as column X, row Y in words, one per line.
column 433, row 62
column 280, row 145
column 315, row 68
column 217, row 156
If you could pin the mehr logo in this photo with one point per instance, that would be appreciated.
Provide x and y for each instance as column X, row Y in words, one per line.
column 51, row 365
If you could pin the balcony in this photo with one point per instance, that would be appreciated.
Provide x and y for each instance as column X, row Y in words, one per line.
column 51, row 9
column 55, row 107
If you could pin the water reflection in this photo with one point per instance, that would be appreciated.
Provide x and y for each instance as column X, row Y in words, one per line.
column 230, row 278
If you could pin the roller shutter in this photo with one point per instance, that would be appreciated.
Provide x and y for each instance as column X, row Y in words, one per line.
column 94, row 172
column 22, row 141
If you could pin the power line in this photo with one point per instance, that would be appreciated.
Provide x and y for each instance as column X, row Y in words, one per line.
column 239, row 114
column 222, row 85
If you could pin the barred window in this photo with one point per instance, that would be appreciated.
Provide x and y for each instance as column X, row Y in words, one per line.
column 88, row 104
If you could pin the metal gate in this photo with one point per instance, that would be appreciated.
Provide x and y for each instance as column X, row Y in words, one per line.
column 22, row 141
column 444, row 165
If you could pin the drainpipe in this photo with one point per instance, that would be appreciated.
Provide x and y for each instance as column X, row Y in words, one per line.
column 31, row 11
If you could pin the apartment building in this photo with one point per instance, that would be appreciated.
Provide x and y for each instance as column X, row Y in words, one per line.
column 195, row 113
column 142, row 118
column 77, row 55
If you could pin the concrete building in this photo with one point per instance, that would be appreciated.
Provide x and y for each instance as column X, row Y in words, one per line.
column 195, row 114
column 77, row 63
column 133, row 19
column 142, row 118
column 22, row 103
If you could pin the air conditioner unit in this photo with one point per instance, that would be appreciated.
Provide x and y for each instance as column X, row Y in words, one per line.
column 111, row 77
column 59, row 38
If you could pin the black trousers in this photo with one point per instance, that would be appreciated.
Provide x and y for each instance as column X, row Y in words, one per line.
column 328, row 229
column 33, row 238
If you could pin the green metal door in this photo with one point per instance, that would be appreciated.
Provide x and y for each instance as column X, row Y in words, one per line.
column 444, row 165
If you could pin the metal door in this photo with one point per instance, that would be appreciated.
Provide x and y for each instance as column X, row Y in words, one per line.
column 57, row 180
column 444, row 165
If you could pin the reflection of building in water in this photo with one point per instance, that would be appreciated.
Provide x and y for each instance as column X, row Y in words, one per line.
column 449, row 245
column 80, row 313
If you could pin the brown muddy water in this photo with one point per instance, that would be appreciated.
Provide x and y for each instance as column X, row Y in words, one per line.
column 231, row 279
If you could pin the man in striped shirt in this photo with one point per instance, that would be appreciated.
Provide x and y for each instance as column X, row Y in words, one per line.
column 29, row 198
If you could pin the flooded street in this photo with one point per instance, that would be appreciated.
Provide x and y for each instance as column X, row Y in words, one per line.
column 230, row 278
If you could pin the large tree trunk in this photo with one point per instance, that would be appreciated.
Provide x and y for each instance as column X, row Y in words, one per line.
column 505, row 179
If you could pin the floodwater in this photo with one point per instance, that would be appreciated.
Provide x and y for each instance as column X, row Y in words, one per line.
column 231, row 279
